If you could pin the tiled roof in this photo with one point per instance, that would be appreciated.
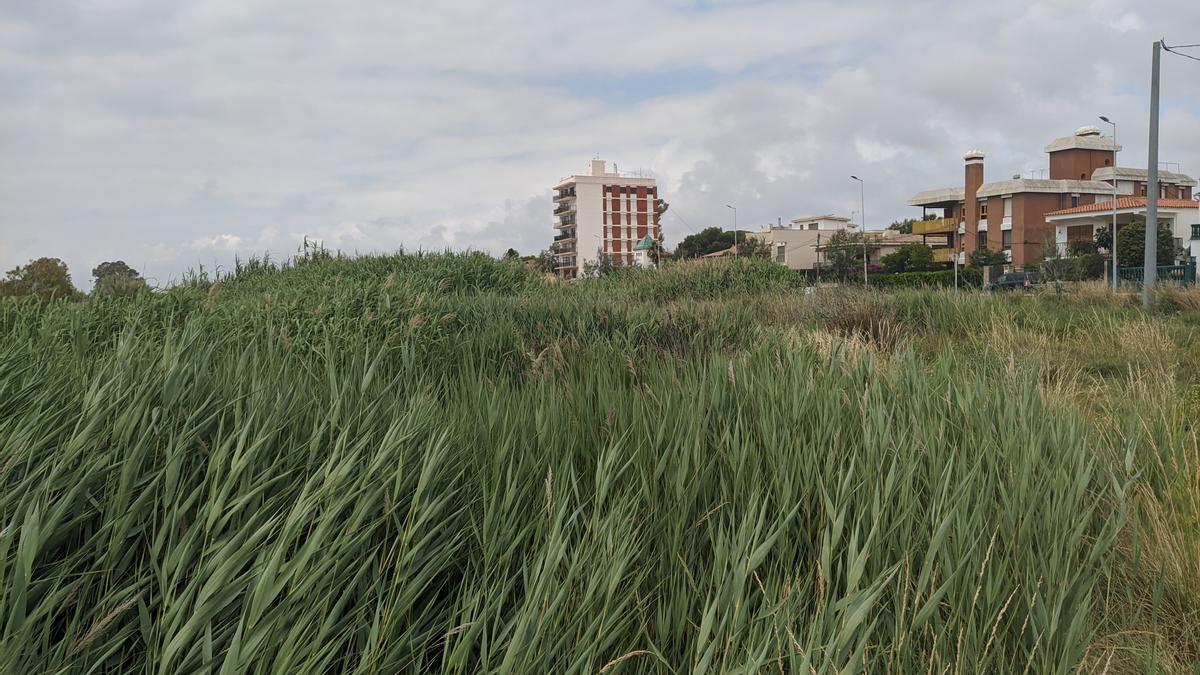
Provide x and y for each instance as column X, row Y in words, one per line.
column 1126, row 203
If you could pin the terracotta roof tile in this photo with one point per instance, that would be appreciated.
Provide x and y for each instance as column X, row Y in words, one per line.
column 1126, row 203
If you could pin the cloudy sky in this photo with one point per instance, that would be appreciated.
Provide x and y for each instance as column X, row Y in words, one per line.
column 175, row 134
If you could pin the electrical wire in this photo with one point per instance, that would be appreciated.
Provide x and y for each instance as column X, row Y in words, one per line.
column 1186, row 56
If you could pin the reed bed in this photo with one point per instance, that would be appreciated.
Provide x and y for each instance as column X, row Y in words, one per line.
column 443, row 463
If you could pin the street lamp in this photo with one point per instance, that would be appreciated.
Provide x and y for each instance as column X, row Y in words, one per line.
column 735, row 246
column 1114, row 203
column 862, row 212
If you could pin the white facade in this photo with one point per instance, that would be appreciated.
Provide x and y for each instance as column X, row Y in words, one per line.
column 1182, row 217
column 590, row 223
column 795, row 245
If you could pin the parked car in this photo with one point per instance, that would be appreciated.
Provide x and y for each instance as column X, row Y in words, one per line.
column 1011, row 281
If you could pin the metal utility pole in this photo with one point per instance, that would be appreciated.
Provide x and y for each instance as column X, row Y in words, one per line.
column 862, row 214
column 1113, row 231
column 736, row 252
column 1150, row 273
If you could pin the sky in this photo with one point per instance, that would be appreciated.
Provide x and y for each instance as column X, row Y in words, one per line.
column 174, row 135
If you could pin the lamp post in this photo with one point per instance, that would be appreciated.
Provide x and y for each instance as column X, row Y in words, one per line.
column 1114, row 203
column 862, row 212
column 736, row 252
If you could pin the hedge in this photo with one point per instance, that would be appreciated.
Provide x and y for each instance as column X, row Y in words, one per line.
column 967, row 276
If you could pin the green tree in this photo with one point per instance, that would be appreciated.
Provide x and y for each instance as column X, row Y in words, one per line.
column 708, row 240
column 909, row 258
column 754, row 247
column 897, row 261
column 46, row 278
column 511, row 255
column 983, row 257
column 116, row 279
column 843, row 253
column 543, row 262
column 1131, row 245
column 902, row 226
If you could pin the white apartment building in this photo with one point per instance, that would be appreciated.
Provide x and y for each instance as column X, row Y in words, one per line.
column 602, row 213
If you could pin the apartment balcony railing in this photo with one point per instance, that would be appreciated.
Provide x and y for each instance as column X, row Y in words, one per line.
column 943, row 255
column 567, row 234
column 564, row 195
column 565, row 208
column 936, row 226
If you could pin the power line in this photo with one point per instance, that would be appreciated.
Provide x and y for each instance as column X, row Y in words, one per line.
column 1186, row 56
column 681, row 219
column 1182, row 46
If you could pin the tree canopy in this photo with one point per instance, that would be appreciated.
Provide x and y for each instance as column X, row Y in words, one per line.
column 708, row 240
column 46, row 278
column 116, row 279
column 1131, row 245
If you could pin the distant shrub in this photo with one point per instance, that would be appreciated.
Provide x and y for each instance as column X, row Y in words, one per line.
column 967, row 276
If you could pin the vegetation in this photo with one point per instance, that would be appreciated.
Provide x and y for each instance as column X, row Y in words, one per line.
column 1081, row 261
column 116, row 280
column 447, row 463
column 1131, row 245
column 982, row 257
column 967, row 278
column 843, row 254
column 910, row 258
column 44, row 279
column 708, row 240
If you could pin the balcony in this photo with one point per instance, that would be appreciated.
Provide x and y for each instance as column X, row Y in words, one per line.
column 565, row 195
column 565, row 208
column 936, row 226
column 943, row 255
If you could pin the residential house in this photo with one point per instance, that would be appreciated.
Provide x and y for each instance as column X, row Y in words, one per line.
column 1012, row 215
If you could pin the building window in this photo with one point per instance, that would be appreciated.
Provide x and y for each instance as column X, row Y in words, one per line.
column 1074, row 201
column 812, row 226
column 981, row 240
column 1008, row 207
column 780, row 252
column 1079, row 233
column 1107, row 162
column 1006, row 240
column 983, row 209
column 1143, row 189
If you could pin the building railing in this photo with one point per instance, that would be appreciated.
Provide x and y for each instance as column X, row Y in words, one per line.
column 1176, row 274
column 943, row 255
column 565, row 208
column 935, row 226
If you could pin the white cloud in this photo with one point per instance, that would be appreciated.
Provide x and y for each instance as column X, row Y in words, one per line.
column 177, row 134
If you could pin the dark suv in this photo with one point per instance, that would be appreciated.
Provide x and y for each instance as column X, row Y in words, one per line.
column 1010, row 281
